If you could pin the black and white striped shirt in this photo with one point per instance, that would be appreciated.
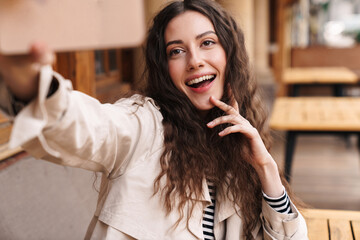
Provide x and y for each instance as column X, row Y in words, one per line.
column 209, row 213
column 280, row 204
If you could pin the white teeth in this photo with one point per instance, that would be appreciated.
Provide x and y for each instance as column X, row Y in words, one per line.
column 200, row 79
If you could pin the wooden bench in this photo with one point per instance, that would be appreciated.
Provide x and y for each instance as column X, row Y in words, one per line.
column 304, row 115
column 332, row 224
column 334, row 76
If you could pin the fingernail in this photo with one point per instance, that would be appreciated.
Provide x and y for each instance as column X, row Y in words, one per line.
column 210, row 123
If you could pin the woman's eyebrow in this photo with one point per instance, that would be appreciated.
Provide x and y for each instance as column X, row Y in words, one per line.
column 204, row 34
column 197, row 37
column 174, row 42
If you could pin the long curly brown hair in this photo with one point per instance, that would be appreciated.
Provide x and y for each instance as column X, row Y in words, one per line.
column 192, row 151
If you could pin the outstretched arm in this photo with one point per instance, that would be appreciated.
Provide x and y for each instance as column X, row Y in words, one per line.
column 69, row 127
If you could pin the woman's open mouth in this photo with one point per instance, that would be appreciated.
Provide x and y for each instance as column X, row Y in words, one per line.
column 201, row 81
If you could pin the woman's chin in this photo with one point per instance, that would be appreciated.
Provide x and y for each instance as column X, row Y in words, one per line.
column 204, row 109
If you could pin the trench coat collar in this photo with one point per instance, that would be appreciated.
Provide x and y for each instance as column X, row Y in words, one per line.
column 223, row 210
column 194, row 224
column 226, row 208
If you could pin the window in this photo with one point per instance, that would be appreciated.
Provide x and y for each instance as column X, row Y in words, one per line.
column 114, row 73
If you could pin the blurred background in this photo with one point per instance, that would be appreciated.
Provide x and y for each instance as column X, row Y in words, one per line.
column 39, row 200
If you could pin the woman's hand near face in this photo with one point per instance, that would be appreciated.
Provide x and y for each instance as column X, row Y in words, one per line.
column 21, row 72
column 261, row 160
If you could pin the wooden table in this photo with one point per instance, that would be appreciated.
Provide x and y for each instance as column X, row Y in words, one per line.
column 335, row 76
column 313, row 115
column 332, row 224
column 316, row 114
column 324, row 75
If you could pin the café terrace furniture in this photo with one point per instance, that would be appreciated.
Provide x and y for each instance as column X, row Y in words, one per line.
column 313, row 115
column 326, row 224
column 337, row 77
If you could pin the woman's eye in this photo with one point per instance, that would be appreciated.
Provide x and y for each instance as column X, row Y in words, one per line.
column 208, row 43
column 175, row 52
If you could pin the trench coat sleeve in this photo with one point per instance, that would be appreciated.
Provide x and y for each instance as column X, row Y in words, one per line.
column 283, row 226
column 73, row 129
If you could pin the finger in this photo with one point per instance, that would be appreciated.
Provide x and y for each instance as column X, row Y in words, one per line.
column 223, row 106
column 42, row 54
column 39, row 54
column 248, row 131
column 233, row 119
column 232, row 129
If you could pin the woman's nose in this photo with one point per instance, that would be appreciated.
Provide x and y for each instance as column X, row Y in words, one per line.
column 195, row 61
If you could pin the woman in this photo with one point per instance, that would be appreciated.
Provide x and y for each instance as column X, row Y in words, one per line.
column 185, row 162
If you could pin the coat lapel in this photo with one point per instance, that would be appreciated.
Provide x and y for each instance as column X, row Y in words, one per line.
column 194, row 224
column 224, row 209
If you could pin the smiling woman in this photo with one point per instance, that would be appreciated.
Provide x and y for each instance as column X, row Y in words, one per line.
column 186, row 159
column 196, row 59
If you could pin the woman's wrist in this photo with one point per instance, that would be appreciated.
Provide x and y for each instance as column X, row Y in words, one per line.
column 270, row 179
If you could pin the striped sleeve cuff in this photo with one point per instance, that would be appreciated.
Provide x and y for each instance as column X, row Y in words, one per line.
column 280, row 204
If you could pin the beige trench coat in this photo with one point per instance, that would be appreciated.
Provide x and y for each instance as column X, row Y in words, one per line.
column 124, row 141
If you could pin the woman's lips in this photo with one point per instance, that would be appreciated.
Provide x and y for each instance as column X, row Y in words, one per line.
column 202, row 86
column 200, row 79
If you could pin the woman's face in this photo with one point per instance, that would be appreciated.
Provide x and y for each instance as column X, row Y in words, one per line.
column 196, row 58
